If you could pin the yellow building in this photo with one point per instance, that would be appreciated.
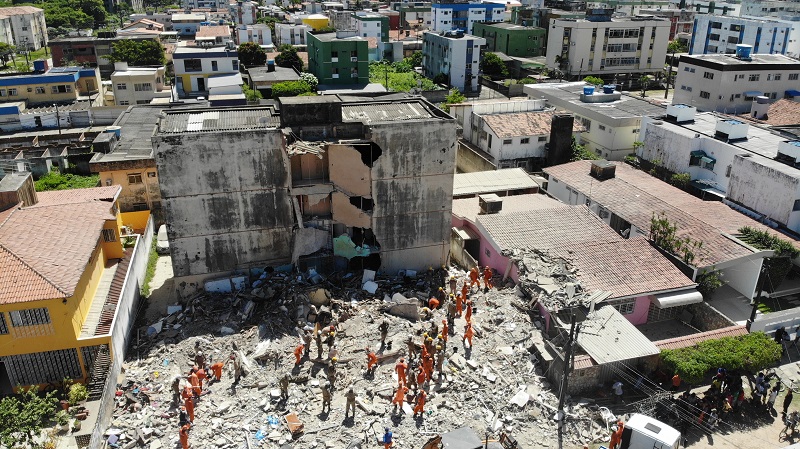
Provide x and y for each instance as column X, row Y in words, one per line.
column 316, row 21
column 57, row 85
column 62, row 272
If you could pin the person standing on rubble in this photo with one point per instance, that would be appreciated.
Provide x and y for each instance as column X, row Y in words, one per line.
column 326, row 397
column 451, row 312
column 617, row 388
column 284, row 386
column 194, row 381
column 183, row 417
column 307, row 343
column 176, row 390
column 453, row 285
column 384, row 329
column 332, row 372
column 411, row 378
column 216, row 370
column 469, row 333
column 420, row 405
column 487, row 278
column 412, row 347
column 387, row 439
column 473, row 277
column 460, row 303
column 331, row 340
column 351, row 402
column 200, row 359
column 421, row 378
column 400, row 368
column 237, row 369
column 445, row 331
column 202, row 377
column 464, row 291
column 433, row 303
column 183, row 434
column 298, row 354
column 441, row 296
column 372, row 361
column 318, row 339
column 188, row 402
column 399, row 397
column 440, row 361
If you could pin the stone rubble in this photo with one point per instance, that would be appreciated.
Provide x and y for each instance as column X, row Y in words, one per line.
column 498, row 384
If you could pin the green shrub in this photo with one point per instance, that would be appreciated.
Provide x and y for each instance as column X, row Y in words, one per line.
column 55, row 180
column 290, row 89
column 77, row 394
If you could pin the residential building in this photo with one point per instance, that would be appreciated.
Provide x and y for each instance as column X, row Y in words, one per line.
column 681, row 21
column 187, row 24
column 244, row 12
column 338, row 60
column 67, row 301
column 162, row 18
column 194, row 65
column 141, row 26
column 462, row 16
column 57, row 85
column 260, row 34
column 291, row 34
column 509, row 134
column 512, row 40
column 454, row 54
column 721, row 35
column 213, row 36
column 262, row 78
column 746, row 166
column 612, row 121
column 89, row 51
column 502, row 182
column 632, row 7
column 211, row 4
column 368, row 198
column 609, row 47
column 727, row 83
column 770, row 8
column 414, row 16
column 341, row 20
column 138, row 85
column 627, row 199
column 371, row 25
column 26, row 25
column 720, row 8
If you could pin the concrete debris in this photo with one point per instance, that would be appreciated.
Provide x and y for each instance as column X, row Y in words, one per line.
column 267, row 400
column 548, row 280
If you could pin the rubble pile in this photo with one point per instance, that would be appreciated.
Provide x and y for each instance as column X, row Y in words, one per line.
column 496, row 386
column 549, row 280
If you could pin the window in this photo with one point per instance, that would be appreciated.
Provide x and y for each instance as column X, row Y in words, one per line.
column 728, row 175
column 794, row 76
column 543, row 139
column 777, row 77
column 235, row 65
column 708, row 75
column 716, row 25
column 635, row 131
column 736, row 27
column 12, row 92
column 64, row 88
column 602, row 127
column 214, row 66
column 142, row 87
column 704, row 94
column 40, row 90
column 794, row 209
column 625, row 308
column 3, row 93
column 713, row 37
column 754, row 77
column 134, row 178
column 140, row 206
column 192, row 65
column 586, row 123
column 122, row 86
column 142, row 101
column 3, row 325
column 109, row 235
column 30, row 317
column 24, row 28
column 123, row 103
column 525, row 140
column 507, row 141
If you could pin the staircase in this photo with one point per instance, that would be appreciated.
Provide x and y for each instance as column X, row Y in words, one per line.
column 97, row 379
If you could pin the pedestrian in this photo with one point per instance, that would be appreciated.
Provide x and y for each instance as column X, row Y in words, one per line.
column 332, row 373
column 468, row 314
column 384, row 329
column 387, row 438
column 176, row 390
column 298, row 353
column 400, row 397
column 453, row 285
column 787, row 401
column 326, row 397
column 400, row 368
column 779, row 335
column 372, row 361
column 216, row 370
column 445, row 330
column 183, row 433
column 773, row 395
column 351, row 402
column 617, row 387
column 676, row 382
column 284, row 385
column 468, row 334
column 306, row 342
column 200, row 360
column 487, row 278
column 420, row 405
column 713, row 419
column 318, row 339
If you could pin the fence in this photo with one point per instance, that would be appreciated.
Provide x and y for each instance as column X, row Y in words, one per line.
column 120, row 330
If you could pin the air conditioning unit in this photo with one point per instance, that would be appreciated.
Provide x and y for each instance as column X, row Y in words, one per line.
column 353, row 59
column 490, row 203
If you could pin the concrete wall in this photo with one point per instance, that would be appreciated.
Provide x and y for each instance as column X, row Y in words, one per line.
column 469, row 161
column 765, row 189
column 227, row 196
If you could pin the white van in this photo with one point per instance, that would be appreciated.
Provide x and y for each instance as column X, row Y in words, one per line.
column 644, row 432
column 162, row 242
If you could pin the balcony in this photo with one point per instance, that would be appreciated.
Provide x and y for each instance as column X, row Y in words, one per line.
column 334, row 59
column 353, row 59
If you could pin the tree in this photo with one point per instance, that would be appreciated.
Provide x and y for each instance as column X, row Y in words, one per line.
column 580, row 153
column 251, row 94
column 676, row 47
column 680, row 180
column 493, row 66
column 415, row 60
column 6, row 50
column 454, row 97
column 593, row 80
column 645, row 80
column 269, row 21
column 310, row 79
column 138, row 53
column 75, row 13
column 252, row 55
column 24, row 415
column 289, row 58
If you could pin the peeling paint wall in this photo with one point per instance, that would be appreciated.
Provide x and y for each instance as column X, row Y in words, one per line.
column 348, row 171
column 764, row 189
column 226, row 197
column 347, row 214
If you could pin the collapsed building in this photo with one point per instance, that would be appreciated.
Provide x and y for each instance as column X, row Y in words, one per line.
column 323, row 183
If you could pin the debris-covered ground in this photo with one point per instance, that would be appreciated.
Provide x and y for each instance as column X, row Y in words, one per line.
column 496, row 384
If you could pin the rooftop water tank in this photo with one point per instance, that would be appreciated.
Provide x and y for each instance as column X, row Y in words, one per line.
column 588, row 90
column 743, row 51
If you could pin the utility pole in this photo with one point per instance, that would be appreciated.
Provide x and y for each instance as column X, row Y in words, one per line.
column 669, row 75
column 568, row 364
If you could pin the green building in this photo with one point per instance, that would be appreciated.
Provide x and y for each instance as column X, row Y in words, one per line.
column 338, row 60
column 512, row 40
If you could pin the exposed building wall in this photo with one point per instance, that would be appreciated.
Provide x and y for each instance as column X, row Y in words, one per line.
column 227, row 194
column 763, row 188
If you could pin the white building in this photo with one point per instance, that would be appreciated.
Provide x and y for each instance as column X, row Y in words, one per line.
column 194, row 65
column 212, row 4
column 770, row 8
column 259, row 33
column 721, row 34
column 27, row 27
column 244, row 12
column 583, row 47
column 188, row 24
column 461, row 16
column 727, row 83
column 612, row 121
column 291, row 34
column 722, row 7
column 213, row 35
column 372, row 25
column 138, row 85
column 162, row 18
column 752, row 169
column 454, row 54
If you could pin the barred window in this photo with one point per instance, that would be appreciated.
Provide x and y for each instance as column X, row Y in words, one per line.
column 30, row 317
column 3, row 326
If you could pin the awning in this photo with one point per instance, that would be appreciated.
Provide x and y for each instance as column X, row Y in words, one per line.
column 753, row 93
column 793, row 93
column 675, row 299
column 708, row 160
column 698, row 153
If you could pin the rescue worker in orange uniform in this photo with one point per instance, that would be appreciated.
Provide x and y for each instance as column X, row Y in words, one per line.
column 445, row 330
column 195, row 382
column 400, row 368
column 464, row 290
column 420, row 408
column 433, row 303
column 202, row 377
column 469, row 333
column 372, row 360
column 616, row 437
column 216, row 370
column 400, row 397
column 420, row 377
column 298, row 353
column 487, row 278
column 468, row 314
column 460, row 304
column 427, row 366
column 188, row 403
column 184, row 435
column 473, row 277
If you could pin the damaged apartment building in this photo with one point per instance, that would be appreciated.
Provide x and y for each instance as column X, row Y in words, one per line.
column 324, row 183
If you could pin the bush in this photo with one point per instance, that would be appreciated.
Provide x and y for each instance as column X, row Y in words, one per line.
column 77, row 394
column 680, row 180
column 290, row 89
column 750, row 353
column 55, row 180
column 527, row 80
column 310, row 79
column 593, row 80
column 251, row 94
column 454, row 97
column 777, row 266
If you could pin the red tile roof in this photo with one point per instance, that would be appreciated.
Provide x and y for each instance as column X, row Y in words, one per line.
column 469, row 208
column 45, row 248
column 213, row 31
column 635, row 196
column 781, row 113
column 524, row 124
column 691, row 340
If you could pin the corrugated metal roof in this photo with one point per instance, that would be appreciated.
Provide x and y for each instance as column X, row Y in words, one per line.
column 218, row 120
column 385, row 112
column 608, row 337
column 691, row 340
column 492, row 181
